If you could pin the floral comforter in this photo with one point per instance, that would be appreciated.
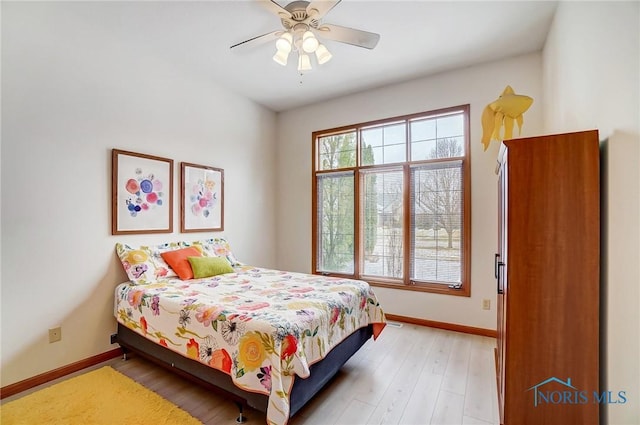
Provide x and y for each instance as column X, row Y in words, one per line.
column 260, row 326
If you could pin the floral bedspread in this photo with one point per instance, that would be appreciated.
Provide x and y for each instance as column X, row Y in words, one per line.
column 260, row 326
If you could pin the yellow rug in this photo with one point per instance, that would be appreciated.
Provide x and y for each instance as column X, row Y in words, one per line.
column 101, row 397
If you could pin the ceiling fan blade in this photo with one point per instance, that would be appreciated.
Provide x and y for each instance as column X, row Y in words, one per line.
column 317, row 9
column 260, row 39
column 352, row 36
column 275, row 8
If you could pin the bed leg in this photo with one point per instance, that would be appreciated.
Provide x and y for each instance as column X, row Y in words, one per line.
column 241, row 418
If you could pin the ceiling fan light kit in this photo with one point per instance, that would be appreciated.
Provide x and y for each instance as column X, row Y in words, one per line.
column 284, row 43
column 323, row 55
column 309, row 42
column 281, row 57
column 305, row 43
column 304, row 63
column 301, row 23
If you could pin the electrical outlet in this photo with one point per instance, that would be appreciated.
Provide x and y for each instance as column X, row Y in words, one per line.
column 55, row 334
column 486, row 304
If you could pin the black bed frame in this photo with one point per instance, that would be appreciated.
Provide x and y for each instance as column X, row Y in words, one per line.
column 303, row 389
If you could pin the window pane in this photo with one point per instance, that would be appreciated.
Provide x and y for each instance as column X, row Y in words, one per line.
column 335, row 222
column 372, row 137
column 337, row 151
column 424, row 129
column 450, row 148
column 394, row 134
column 450, row 126
column 423, row 150
column 437, row 137
column 394, row 153
column 385, row 144
column 382, row 221
column 436, row 223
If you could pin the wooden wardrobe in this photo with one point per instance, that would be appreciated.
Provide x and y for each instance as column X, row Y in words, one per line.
column 547, row 270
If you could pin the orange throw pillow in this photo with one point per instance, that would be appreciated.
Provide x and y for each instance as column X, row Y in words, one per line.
column 177, row 260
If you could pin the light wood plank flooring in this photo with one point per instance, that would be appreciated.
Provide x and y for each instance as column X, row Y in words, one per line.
column 412, row 375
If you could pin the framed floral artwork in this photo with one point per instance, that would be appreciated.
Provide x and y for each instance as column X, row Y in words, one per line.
column 202, row 198
column 141, row 193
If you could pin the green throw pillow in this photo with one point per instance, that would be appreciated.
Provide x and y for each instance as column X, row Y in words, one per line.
column 209, row 266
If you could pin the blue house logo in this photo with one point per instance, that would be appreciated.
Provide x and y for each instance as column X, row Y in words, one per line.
column 569, row 394
column 554, row 397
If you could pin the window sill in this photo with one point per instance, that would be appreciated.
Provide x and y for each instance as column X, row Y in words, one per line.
column 432, row 288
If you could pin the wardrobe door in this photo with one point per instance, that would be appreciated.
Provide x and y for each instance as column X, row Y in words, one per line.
column 550, row 305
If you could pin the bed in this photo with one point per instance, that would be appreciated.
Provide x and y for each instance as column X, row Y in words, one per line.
column 270, row 338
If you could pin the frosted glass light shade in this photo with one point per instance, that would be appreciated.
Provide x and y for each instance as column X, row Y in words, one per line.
column 309, row 42
column 304, row 63
column 323, row 55
column 284, row 42
column 281, row 57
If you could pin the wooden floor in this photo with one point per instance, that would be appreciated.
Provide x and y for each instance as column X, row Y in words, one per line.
column 410, row 375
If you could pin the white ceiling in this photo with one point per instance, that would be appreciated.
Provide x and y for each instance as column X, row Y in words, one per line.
column 417, row 38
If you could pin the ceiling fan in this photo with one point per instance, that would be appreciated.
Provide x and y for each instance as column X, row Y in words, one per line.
column 302, row 22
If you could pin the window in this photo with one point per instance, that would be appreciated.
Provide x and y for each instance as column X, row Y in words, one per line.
column 391, row 202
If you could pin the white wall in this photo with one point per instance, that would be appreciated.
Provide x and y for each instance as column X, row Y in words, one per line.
column 477, row 86
column 72, row 92
column 592, row 80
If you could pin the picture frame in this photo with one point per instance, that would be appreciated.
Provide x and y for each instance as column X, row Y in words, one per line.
column 201, row 198
column 141, row 193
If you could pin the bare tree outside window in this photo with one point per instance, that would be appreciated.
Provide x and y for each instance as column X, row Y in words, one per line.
column 439, row 190
column 386, row 257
